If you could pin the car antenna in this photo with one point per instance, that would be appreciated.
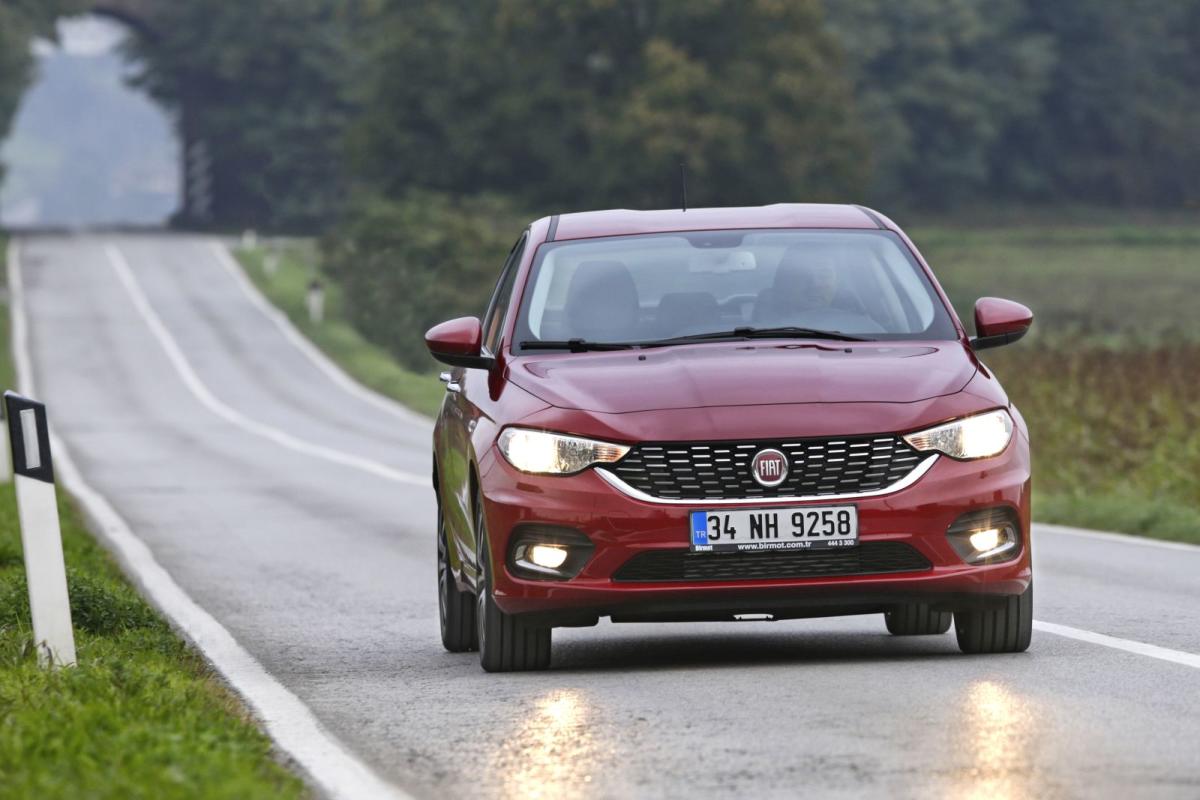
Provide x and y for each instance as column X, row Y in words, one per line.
column 683, row 183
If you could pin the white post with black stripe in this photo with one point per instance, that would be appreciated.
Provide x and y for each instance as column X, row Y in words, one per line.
column 5, row 461
column 41, row 535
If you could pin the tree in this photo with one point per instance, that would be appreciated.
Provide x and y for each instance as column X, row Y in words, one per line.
column 262, row 86
column 574, row 105
column 1120, row 121
column 939, row 85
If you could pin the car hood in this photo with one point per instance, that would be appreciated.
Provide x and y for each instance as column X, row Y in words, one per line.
column 745, row 374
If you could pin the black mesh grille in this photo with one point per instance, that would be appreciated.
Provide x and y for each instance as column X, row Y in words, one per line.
column 867, row 558
column 721, row 470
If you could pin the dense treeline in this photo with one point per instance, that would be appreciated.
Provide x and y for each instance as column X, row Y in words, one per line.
column 925, row 103
column 262, row 88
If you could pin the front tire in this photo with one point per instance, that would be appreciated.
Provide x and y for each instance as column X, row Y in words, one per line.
column 917, row 619
column 506, row 642
column 1007, row 629
column 456, row 609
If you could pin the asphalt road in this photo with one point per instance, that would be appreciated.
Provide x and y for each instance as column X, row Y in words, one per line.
column 324, row 570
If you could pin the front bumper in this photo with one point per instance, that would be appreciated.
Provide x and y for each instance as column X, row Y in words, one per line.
column 621, row 527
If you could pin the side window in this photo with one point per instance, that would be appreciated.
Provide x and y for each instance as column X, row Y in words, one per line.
column 493, row 323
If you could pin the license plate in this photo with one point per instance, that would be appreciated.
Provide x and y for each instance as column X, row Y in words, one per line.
column 741, row 529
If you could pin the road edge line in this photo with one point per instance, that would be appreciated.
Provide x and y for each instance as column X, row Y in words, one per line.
column 332, row 370
column 1128, row 645
column 191, row 380
column 282, row 715
column 1121, row 538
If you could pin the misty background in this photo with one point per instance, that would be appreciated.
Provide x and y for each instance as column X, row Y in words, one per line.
column 85, row 148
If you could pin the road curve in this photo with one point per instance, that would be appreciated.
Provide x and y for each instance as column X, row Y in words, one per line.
column 282, row 503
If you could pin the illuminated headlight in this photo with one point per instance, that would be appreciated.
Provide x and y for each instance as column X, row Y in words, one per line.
column 980, row 436
column 544, row 453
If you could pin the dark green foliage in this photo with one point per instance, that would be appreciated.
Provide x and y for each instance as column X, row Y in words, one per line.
column 938, row 84
column 261, row 85
column 579, row 105
column 1093, row 102
column 1119, row 122
column 923, row 103
column 406, row 265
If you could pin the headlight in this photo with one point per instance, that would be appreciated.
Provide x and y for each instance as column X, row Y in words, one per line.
column 980, row 436
column 545, row 453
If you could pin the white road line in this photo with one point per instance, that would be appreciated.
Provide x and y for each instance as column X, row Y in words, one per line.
column 287, row 720
column 321, row 361
column 201, row 392
column 1119, row 538
column 1128, row 645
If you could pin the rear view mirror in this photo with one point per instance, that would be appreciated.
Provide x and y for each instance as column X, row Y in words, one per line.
column 458, row 343
column 999, row 322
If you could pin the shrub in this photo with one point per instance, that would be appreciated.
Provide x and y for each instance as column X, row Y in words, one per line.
column 406, row 265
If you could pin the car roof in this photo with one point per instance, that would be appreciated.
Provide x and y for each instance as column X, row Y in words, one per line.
column 621, row 221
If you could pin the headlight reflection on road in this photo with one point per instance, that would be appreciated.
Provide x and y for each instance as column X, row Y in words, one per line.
column 554, row 753
column 999, row 739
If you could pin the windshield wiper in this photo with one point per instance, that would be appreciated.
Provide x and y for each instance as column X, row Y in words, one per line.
column 781, row 332
column 744, row 332
column 575, row 345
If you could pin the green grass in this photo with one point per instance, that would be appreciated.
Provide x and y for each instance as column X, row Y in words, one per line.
column 1116, row 286
column 369, row 364
column 1108, row 379
column 142, row 716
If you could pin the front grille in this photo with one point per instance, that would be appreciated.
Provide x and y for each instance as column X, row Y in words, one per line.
column 721, row 470
column 868, row 558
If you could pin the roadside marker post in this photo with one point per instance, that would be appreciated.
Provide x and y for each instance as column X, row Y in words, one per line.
column 314, row 298
column 41, row 534
column 5, row 460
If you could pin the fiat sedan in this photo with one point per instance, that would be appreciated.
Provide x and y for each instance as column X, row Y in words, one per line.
column 726, row 413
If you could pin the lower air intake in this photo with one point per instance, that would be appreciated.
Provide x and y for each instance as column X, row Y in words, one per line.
column 868, row 558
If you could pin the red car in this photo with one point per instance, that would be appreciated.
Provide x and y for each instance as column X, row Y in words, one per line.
column 726, row 413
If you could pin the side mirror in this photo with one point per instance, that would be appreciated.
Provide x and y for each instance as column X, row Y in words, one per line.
column 458, row 343
column 999, row 322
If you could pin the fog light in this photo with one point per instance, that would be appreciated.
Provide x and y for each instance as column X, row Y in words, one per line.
column 542, row 552
column 986, row 536
column 985, row 540
column 550, row 556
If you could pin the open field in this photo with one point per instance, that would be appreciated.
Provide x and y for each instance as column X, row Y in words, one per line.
column 141, row 716
column 1116, row 286
column 1106, row 380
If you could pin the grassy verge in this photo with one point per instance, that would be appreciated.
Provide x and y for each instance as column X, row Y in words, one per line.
column 286, row 285
column 141, row 716
column 1107, row 379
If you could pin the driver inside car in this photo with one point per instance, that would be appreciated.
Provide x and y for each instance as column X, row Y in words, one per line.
column 804, row 281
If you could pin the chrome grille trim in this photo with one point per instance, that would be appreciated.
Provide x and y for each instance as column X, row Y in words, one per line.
column 908, row 480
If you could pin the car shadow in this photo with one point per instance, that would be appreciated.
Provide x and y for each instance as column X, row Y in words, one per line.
column 653, row 651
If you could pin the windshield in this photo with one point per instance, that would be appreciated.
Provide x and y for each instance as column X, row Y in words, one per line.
column 863, row 284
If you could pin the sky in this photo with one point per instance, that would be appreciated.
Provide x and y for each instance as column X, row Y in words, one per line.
column 85, row 149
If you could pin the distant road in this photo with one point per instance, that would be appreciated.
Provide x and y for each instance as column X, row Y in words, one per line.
column 296, row 513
